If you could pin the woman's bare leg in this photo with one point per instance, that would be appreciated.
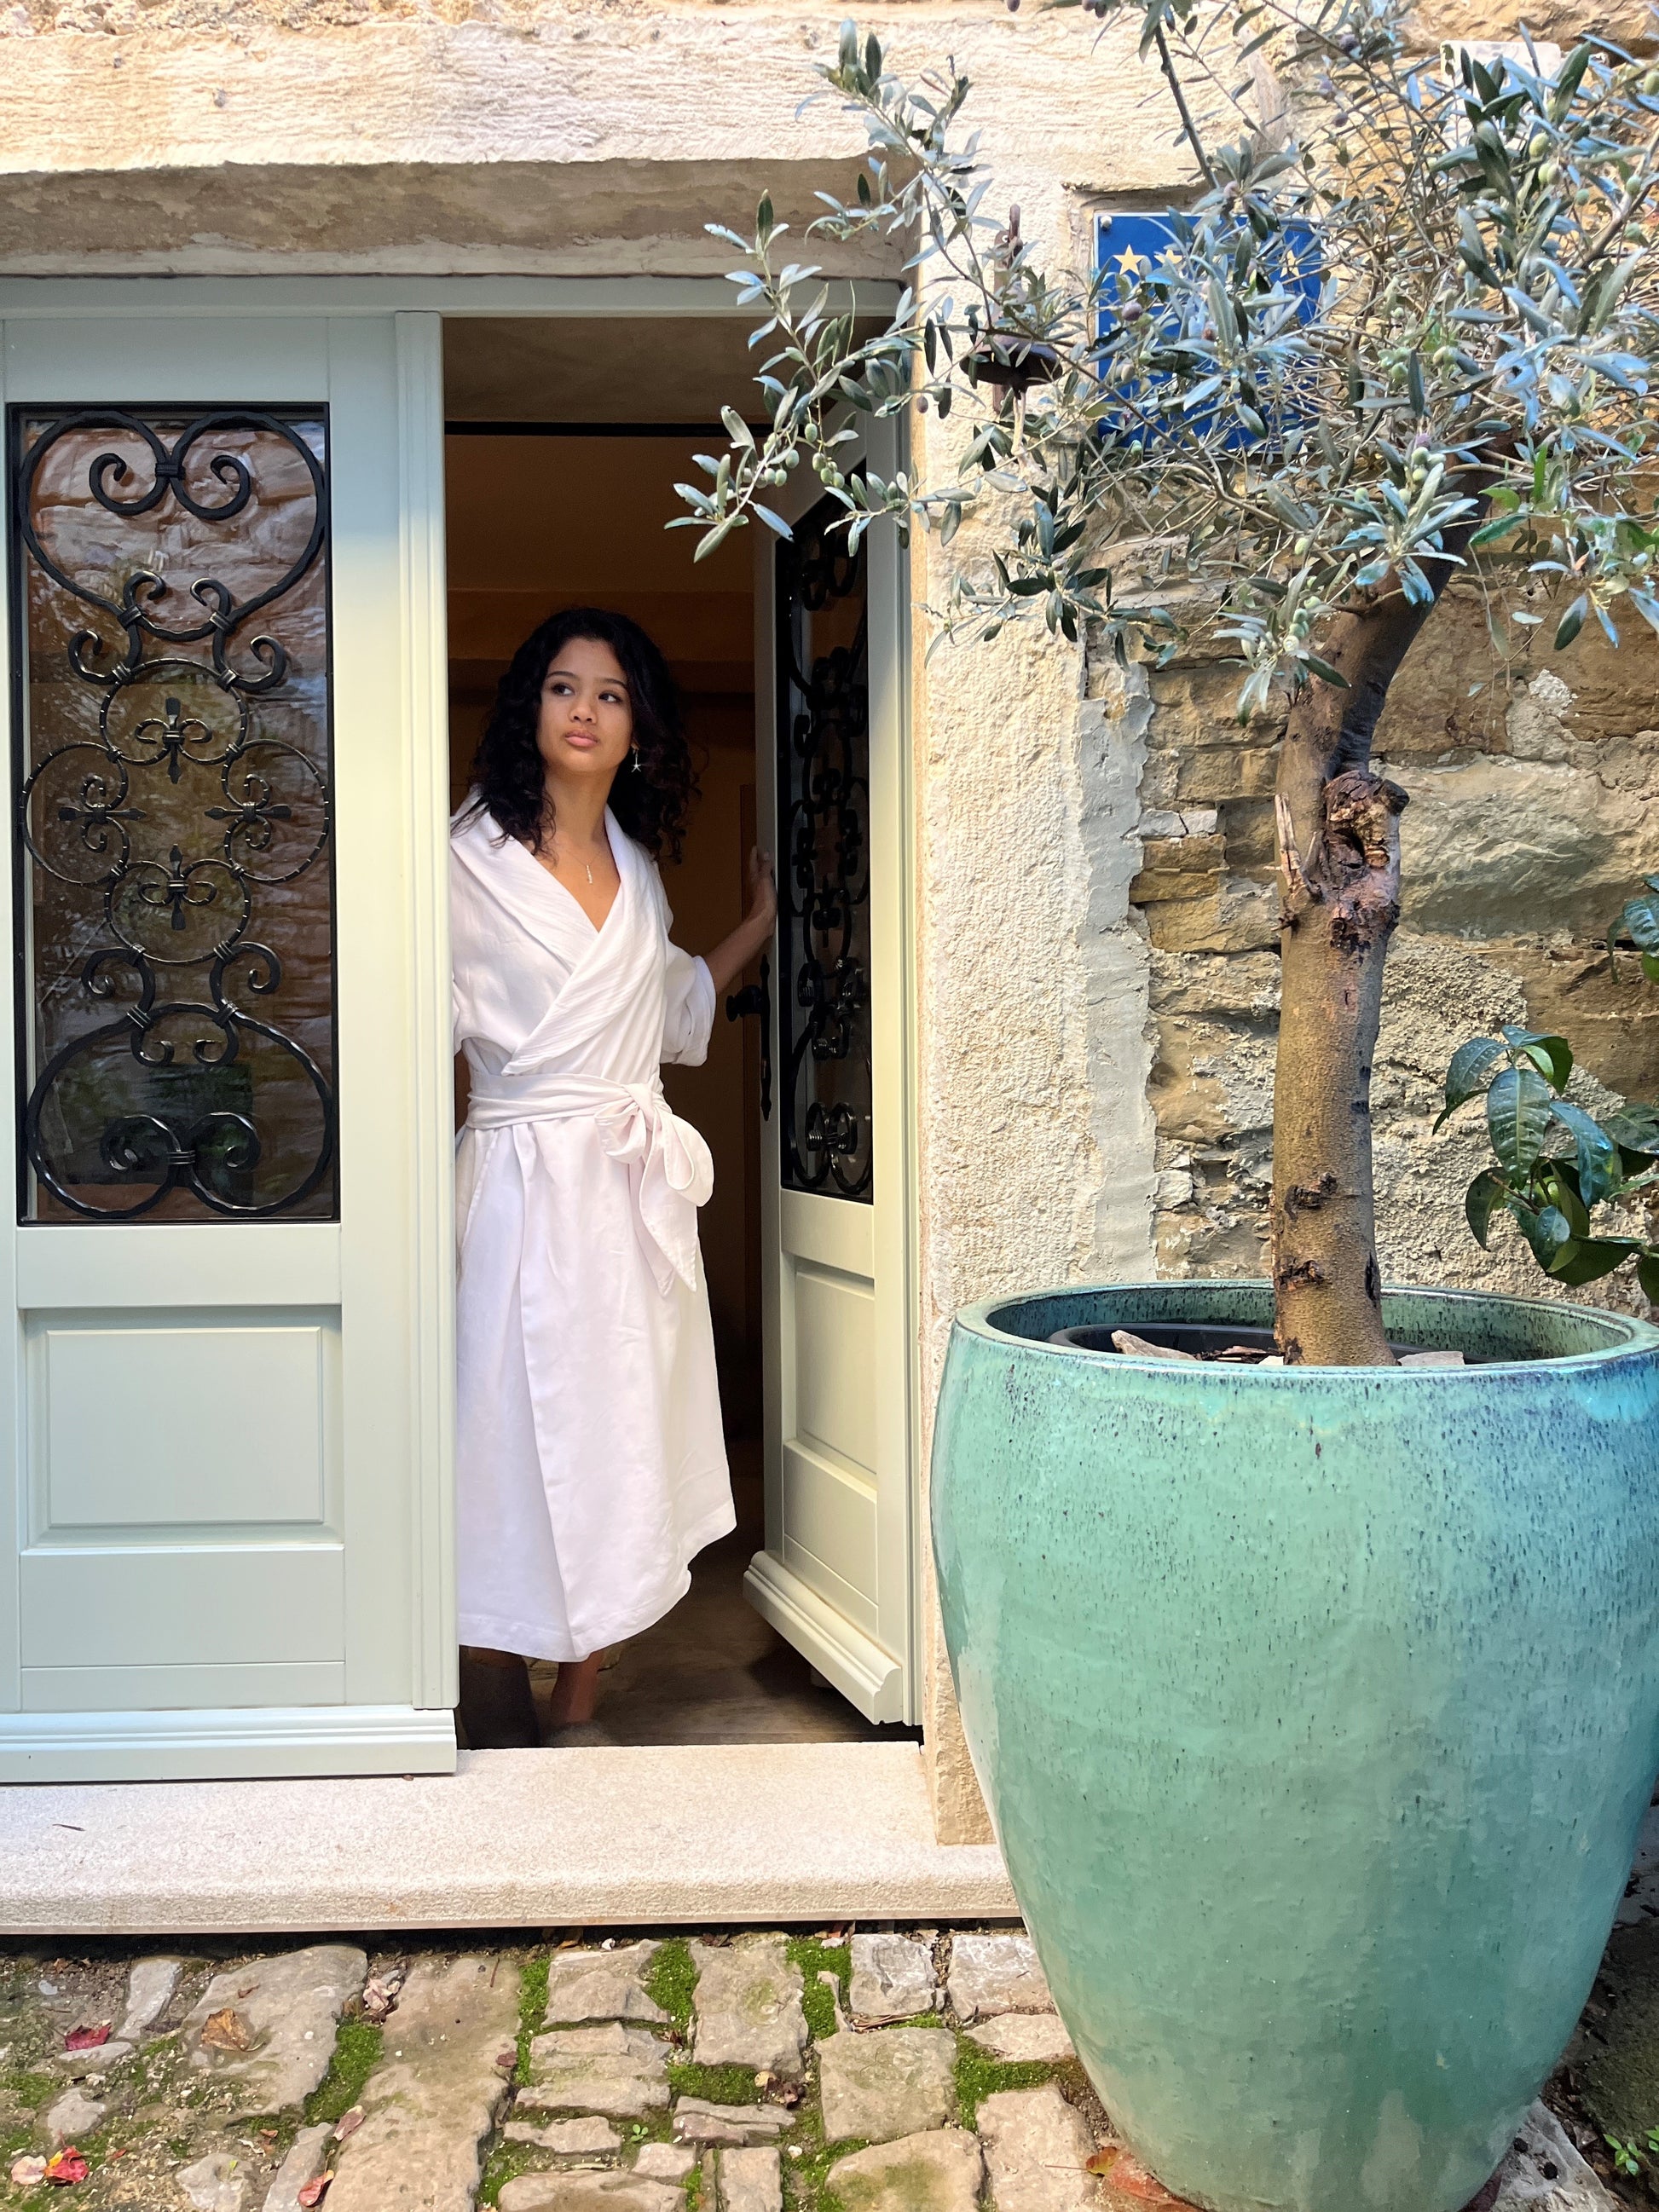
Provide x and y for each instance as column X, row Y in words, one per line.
column 576, row 1690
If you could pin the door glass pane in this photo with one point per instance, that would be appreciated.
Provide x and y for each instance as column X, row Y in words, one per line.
column 170, row 636
column 824, row 858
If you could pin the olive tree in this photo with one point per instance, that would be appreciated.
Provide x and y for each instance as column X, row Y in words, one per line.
column 1402, row 330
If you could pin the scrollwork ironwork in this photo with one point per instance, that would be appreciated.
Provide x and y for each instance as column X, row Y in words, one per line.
column 126, row 877
column 823, row 806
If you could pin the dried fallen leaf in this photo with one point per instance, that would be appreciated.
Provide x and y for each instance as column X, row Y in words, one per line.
column 380, row 1991
column 226, row 2031
column 348, row 2123
column 66, row 2166
column 315, row 2191
column 1131, row 2178
column 87, row 2036
column 1104, row 2160
column 507, row 2058
column 26, row 2172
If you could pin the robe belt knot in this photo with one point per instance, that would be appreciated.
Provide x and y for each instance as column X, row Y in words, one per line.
column 671, row 1170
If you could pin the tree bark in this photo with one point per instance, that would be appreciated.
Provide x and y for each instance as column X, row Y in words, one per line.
column 1338, row 849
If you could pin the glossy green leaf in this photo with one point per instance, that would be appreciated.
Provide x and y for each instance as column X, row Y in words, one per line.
column 1596, row 1154
column 1635, row 1129
column 1482, row 1198
column 1590, row 1259
column 1518, row 1116
column 1639, row 921
column 1647, row 1274
column 1550, row 1055
column 1471, row 1063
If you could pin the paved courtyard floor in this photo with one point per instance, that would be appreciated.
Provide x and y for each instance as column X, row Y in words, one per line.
column 869, row 2069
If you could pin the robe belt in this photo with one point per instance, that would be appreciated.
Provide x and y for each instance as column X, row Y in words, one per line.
column 671, row 1170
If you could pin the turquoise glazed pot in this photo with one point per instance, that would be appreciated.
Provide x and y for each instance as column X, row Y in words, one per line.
column 1316, row 1709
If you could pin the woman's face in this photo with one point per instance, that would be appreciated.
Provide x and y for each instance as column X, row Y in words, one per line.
column 587, row 721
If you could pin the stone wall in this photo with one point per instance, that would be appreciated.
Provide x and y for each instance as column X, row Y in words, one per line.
column 1534, row 782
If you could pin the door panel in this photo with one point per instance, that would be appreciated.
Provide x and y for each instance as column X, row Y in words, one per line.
column 228, row 1280
column 183, row 1450
column 836, row 1575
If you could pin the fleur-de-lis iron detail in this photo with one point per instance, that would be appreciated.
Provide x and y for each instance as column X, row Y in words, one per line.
column 179, row 891
column 173, row 735
column 173, row 1079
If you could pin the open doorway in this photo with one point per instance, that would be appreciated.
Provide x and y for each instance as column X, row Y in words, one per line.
column 565, row 439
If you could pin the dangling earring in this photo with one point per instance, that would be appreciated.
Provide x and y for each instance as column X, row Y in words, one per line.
column 634, row 751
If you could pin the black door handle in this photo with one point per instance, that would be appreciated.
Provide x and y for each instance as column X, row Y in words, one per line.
column 756, row 998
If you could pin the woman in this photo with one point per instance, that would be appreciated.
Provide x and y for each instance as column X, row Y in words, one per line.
column 589, row 1462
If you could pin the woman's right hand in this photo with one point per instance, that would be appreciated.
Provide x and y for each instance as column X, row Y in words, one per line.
column 762, row 894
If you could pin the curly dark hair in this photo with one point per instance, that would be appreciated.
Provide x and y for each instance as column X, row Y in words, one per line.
column 652, row 794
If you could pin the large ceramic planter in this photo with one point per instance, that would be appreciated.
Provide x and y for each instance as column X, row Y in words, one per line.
column 1316, row 1709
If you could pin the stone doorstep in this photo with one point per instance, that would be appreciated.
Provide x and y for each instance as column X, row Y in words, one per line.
column 696, row 1836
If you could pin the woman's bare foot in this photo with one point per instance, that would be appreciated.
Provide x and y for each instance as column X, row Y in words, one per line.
column 576, row 1691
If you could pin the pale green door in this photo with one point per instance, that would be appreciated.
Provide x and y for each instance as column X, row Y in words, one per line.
column 837, row 1575
column 225, row 1253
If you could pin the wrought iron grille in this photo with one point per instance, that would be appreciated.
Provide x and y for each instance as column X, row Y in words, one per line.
column 175, row 1011
column 824, row 846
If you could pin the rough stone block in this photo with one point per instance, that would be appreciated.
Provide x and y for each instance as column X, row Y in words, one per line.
column 1208, row 774
column 660, row 2161
column 939, row 2172
column 287, row 2007
column 437, row 2092
column 73, row 2115
column 696, row 2121
column 1241, row 917
column 90, row 2064
column 215, row 2183
column 1177, row 867
column 748, row 2006
column 750, row 2181
column 893, row 1978
column 307, row 2156
column 618, row 2070
column 150, row 1984
column 1544, row 2173
column 568, row 2138
column 1018, row 2038
column 1036, row 2149
column 589, row 2192
column 996, row 1973
column 893, row 2082
column 592, row 1986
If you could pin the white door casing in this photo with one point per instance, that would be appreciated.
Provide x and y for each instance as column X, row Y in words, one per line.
column 225, row 1444
column 836, row 1576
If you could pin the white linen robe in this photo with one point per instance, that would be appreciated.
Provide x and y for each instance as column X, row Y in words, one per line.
column 590, row 1463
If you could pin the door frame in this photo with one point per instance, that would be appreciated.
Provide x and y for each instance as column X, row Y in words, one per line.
column 153, row 1745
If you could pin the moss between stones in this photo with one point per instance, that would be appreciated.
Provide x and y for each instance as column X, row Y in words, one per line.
column 719, row 2085
column 979, row 2075
column 670, row 1984
column 505, row 2162
column 532, row 2007
column 814, row 1958
column 356, row 2053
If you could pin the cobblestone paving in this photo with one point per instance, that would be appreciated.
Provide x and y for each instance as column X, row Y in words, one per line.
column 849, row 2071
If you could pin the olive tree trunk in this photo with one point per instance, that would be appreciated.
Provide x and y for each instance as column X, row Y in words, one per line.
column 1339, row 858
